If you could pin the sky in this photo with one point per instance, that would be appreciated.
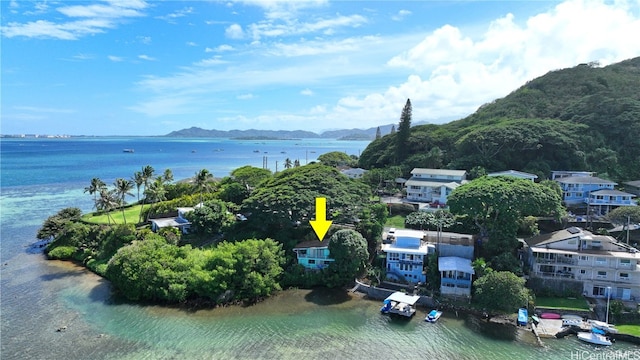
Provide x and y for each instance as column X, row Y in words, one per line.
column 136, row 67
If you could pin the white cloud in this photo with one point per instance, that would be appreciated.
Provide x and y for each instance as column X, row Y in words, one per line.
column 87, row 20
column 306, row 92
column 400, row 15
column 146, row 57
column 245, row 96
column 234, row 31
column 214, row 60
column 278, row 27
column 115, row 58
column 191, row 43
column 176, row 14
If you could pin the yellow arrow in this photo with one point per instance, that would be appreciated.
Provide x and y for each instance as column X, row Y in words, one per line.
column 321, row 225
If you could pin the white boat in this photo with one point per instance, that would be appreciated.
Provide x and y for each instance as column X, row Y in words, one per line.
column 593, row 338
column 400, row 303
column 128, row 150
column 610, row 328
column 433, row 316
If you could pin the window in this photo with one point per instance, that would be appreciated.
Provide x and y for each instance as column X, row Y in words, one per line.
column 312, row 261
column 624, row 276
column 602, row 274
column 583, row 271
column 625, row 262
column 584, row 258
column 393, row 256
column 572, row 242
column 601, row 261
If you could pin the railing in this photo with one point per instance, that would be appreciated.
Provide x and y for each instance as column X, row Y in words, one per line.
column 564, row 275
column 455, row 282
column 557, row 261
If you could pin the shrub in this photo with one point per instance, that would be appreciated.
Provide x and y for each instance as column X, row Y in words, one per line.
column 61, row 252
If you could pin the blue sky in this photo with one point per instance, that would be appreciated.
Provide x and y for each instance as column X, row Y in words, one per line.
column 135, row 67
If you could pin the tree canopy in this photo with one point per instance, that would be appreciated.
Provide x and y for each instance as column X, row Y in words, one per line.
column 349, row 249
column 497, row 204
column 336, row 158
column 500, row 292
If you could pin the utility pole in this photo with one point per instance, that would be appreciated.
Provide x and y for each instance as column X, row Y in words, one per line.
column 628, row 225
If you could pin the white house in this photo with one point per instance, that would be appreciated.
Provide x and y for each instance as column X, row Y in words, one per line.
column 600, row 263
column 353, row 173
column 433, row 185
column 180, row 222
column 455, row 275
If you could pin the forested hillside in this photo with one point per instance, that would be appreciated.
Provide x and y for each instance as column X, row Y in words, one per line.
column 582, row 118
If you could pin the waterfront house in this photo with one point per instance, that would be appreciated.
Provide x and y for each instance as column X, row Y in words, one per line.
column 313, row 254
column 516, row 174
column 433, row 185
column 596, row 193
column 593, row 262
column 455, row 276
column 179, row 221
column 406, row 254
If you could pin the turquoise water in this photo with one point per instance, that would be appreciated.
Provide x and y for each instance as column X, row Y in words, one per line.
column 38, row 297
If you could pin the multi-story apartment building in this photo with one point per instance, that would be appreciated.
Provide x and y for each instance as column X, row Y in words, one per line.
column 600, row 263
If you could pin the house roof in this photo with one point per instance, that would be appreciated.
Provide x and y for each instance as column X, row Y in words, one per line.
column 611, row 192
column 584, row 180
column 430, row 183
column 403, row 298
column 167, row 222
column 514, row 173
column 635, row 183
column 445, row 172
column 543, row 239
column 450, row 263
column 312, row 244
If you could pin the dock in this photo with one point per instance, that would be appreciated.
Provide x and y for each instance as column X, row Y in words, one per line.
column 548, row 328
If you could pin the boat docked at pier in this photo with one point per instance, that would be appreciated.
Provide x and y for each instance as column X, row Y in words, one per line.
column 400, row 303
column 433, row 316
column 596, row 337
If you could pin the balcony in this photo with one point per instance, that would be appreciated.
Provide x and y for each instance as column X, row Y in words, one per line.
column 557, row 274
column 455, row 282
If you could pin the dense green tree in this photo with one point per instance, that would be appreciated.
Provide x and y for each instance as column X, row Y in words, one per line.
column 497, row 204
column 203, row 182
column 210, row 218
column 378, row 133
column 500, row 292
column 54, row 225
column 404, row 131
column 625, row 215
column 233, row 192
column 155, row 191
column 349, row 250
column 287, row 200
column 418, row 220
column 250, row 176
column 167, row 176
column 335, row 158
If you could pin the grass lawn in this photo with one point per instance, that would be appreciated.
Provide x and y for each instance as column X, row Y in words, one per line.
column 629, row 329
column 131, row 213
column 563, row 303
column 395, row 222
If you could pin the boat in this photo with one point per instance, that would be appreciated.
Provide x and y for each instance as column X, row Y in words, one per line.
column 433, row 316
column 128, row 150
column 596, row 337
column 550, row 316
column 609, row 328
column 523, row 317
column 400, row 303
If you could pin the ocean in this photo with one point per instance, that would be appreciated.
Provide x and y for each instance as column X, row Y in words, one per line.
column 58, row 310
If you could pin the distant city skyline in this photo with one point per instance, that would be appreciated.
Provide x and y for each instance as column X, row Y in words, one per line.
column 135, row 67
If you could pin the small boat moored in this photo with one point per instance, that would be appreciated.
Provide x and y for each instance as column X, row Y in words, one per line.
column 523, row 317
column 550, row 316
column 608, row 328
column 595, row 337
column 128, row 150
column 433, row 316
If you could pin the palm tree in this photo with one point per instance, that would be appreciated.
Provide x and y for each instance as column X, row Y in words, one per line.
column 122, row 189
column 155, row 192
column 94, row 189
column 287, row 163
column 167, row 176
column 138, row 180
column 202, row 182
column 147, row 174
column 106, row 202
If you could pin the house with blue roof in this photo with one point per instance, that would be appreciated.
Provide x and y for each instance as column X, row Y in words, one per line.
column 599, row 194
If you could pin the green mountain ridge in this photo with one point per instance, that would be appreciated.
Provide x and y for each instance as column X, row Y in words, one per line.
column 581, row 118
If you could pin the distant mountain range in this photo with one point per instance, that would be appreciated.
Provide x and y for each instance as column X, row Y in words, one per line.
column 346, row 134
